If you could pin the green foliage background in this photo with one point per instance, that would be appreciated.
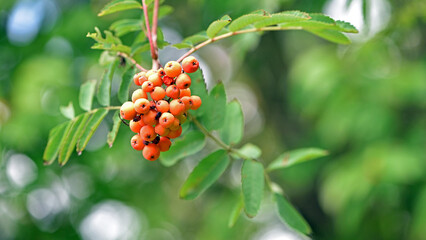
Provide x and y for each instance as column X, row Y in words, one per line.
column 365, row 103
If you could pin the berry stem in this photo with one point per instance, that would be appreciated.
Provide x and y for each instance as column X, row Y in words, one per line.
column 154, row 56
column 131, row 60
column 226, row 35
column 154, row 30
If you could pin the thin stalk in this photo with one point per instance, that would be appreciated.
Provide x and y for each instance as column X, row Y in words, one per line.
column 154, row 33
column 226, row 35
column 131, row 60
column 149, row 35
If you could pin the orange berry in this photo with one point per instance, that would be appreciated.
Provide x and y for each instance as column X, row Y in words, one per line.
column 162, row 106
column 173, row 91
column 137, row 143
column 142, row 105
column 161, row 72
column 166, row 119
column 168, row 80
column 176, row 133
column 183, row 81
column 190, row 64
column 148, row 133
column 164, row 144
column 150, row 72
column 158, row 93
column 148, row 86
column 139, row 93
column 173, row 69
column 135, row 126
column 187, row 101
column 127, row 111
column 177, row 107
column 155, row 79
column 149, row 118
column 185, row 92
column 160, row 130
column 175, row 125
column 196, row 102
column 151, row 152
column 136, row 78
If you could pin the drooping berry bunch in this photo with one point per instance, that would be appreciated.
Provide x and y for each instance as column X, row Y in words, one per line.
column 160, row 106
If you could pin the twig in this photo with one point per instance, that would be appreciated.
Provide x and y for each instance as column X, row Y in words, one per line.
column 149, row 35
column 155, row 61
column 131, row 60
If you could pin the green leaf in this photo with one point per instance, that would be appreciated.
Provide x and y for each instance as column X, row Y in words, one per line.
column 91, row 126
column 124, row 26
column 205, row 174
column 119, row 5
column 126, row 81
column 165, row 10
column 217, row 25
column 297, row 156
column 245, row 20
column 189, row 144
column 331, row 35
column 183, row 45
column 290, row 216
column 115, row 127
column 196, row 38
column 198, row 88
column 68, row 111
column 104, row 89
column 282, row 17
column 346, row 27
column 55, row 138
column 87, row 92
column 236, row 212
column 250, row 150
column 233, row 126
column 252, row 179
column 213, row 107
column 76, row 130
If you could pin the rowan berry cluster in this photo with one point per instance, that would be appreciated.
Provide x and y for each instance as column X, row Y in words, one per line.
column 160, row 106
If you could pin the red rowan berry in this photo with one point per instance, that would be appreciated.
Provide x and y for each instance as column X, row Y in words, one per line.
column 177, row 107
column 161, row 72
column 172, row 91
column 168, row 80
column 142, row 105
column 185, row 92
column 155, row 79
column 196, row 102
column 148, row 133
column 151, row 152
column 137, row 143
column 137, row 94
column 150, row 72
column 127, row 111
column 173, row 69
column 190, row 64
column 160, row 130
column 175, row 125
column 158, row 93
column 187, row 101
column 183, row 81
column 162, row 106
column 176, row 133
column 136, row 78
column 166, row 119
column 164, row 144
column 148, row 86
column 135, row 126
column 149, row 118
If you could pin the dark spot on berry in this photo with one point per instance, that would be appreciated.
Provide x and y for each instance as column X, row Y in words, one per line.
column 145, row 143
column 156, row 140
column 158, row 116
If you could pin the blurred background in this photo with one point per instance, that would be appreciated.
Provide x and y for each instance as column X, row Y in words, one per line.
column 365, row 103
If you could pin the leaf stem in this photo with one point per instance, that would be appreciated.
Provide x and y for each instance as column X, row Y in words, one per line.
column 131, row 60
column 149, row 35
column 154, row 32
column 229, row 34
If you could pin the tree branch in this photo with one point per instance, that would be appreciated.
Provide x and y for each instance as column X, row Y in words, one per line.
column 149, row 35
column 121, row 54
column 155, row 61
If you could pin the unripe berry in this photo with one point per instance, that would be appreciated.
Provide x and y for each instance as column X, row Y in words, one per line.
column 168, row 80
column 142, row 105
column 148, row 133
column 185, row 92
column 187, row 101
column 183, row 81
column 190, row 64
column 158, row 93
column 135, row 126
column 149, row 118
column 150, row 72
column 196, row 102
column 137, row 143
column 151, row 152
column 155, row 79
column 127, row 111
column 177, row 107
column 181, row 118
column 173, row 69
column 172, row 91
column 160, row 130
column 164, row 144
column 137, row 94
column 162, row 106
column 176, row 133
column 175, row 125
column 148, row 86
column 166, row 119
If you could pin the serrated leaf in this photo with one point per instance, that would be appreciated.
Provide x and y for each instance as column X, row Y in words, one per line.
column 91, row 126
column 236, row 212
column 244, row 21
column 252, row 179
column 189, row 144
column 331, row 35
column 126, row 81
column 183, row 45
column 215, row 27
column 196, row 38
column 87, row 92
column 282, row 17
column 104, row 89
column 250, row 151
column 297, row 156
column 68, row 111
column 198, row 88
column 212, row 108
column 319, row 17
column 233, row 126
column 290, row 216
column 119, row 5
column 54, row 142
column 346, row 27
column 115, row 127
column 124, row 26
column 205, row 174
